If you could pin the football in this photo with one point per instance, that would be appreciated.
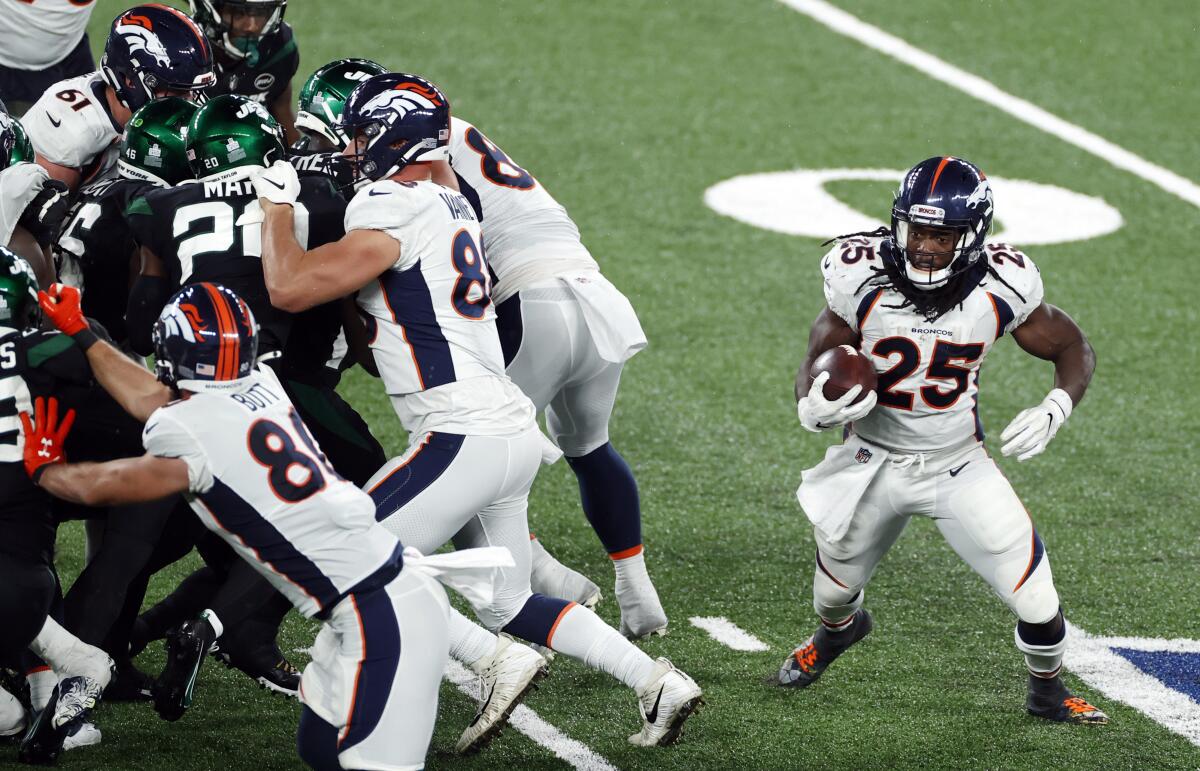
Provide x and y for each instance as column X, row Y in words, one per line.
column 847, row 368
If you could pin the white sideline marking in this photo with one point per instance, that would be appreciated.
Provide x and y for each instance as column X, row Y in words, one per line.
column 851, row 26
column 525, row 720
column 728, row 633
column 1093, row 660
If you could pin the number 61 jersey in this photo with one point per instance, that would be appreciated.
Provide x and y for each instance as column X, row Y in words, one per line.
column 258, row 479
column 928, row 370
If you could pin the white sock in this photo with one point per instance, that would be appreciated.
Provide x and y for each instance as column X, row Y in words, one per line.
column 41, row 684
column 12, row 714
column 469, row 642
column 632, row 569
column 68, row 655
column 210, row 616
column 581, row 635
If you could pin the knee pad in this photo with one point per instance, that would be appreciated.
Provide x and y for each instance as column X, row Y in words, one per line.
column 832, row 599
column 12, row 713
column 1036, row 602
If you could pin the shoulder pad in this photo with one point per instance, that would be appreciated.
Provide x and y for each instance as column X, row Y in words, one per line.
column 65, row 135
column 847, row 270
column 1019, row 284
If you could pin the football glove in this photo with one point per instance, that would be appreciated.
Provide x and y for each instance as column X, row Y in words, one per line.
column 61, row 304
column 818, row 413
column 44, row 215
column 1032, row 429
column 44, row 438
column 278, row 184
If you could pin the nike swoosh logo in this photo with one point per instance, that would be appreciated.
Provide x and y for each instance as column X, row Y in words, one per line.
column 954, row 471
column 483, row 707
column 652, row 715
column 273, row 182
column 378, row 192
column 56, row 123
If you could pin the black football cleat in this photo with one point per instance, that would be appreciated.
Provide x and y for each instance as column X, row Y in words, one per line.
column 129, row 684
column 807, row 662
column 1050, row 699
column 69, row 701
column 187, row 645
column 268, row 667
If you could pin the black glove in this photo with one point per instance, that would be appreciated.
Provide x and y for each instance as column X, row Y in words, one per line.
column 44, row 215
column 333, row 165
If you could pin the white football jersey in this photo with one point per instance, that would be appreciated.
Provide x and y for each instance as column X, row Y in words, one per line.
column 40, row 34
column 928, row 370
column 71, row 125
column 435, row 339
column 527, row 235
column 257, row 478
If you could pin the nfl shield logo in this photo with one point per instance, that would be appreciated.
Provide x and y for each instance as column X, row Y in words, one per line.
column 863, row 455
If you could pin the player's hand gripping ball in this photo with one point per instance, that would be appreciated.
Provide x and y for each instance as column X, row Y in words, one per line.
column 847, row 368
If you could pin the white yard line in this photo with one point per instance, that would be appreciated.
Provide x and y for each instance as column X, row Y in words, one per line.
column 1093, row 660
column 528, row 722
column 851, row 26
column 729, row 634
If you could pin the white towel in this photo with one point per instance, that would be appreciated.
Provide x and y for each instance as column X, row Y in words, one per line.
column 832, row 489
column 610, row 317
column 470, row 572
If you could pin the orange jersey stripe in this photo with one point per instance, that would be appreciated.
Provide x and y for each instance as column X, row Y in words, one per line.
column 557, row 621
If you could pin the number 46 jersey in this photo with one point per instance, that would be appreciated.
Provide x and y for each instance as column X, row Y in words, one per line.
column 258, row 479
column 928, row 370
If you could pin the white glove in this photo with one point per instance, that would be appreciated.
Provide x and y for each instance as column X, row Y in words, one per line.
column 278, row 184
column 1032, row 429
column 818, row 413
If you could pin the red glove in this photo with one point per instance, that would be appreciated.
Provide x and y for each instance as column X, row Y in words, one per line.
column 61, row 304
column 44, row 444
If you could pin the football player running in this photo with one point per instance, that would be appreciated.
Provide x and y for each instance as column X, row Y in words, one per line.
column 412, row 252
column 152, row 51
column 256, row 53
column 224, row 433
column 925, row 302
column 41, row 367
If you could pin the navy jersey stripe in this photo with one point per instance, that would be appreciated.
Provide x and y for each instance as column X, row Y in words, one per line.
column 865, row 306
column 235, row 515
column 376, row 669
column 1004, row 314
column 408, row 299
column 410, row 479
column 1036, row 551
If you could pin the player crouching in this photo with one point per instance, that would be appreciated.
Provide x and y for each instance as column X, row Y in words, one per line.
column 227, row 436
column 925, row 303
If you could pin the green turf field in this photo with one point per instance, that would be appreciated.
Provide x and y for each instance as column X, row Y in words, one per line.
column 628, row 112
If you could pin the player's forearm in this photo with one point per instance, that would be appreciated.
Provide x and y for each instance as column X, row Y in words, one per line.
column 1073, row 368
column 282, row 258
column 90, row 484
column 136, row 389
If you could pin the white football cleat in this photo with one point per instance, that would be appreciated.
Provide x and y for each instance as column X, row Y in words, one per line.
column 83, row 733
column 669, row 699
column 507, row 677
column 550, row 577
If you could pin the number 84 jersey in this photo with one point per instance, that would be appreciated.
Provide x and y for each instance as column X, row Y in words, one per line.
column 928, row 370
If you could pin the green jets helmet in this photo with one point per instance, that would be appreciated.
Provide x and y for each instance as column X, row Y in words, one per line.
column 221, row 33
column 325, row 93
column 154, row 137
column 18, row 292
column 229, row 132
column 14, row 145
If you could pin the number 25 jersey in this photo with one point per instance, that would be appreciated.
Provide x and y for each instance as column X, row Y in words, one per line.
column 434, row 336
column 928, row 370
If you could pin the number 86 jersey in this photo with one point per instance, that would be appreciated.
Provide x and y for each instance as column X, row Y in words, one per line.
column 928, row 370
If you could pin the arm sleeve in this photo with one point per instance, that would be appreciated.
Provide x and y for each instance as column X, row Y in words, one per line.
column 166, row 437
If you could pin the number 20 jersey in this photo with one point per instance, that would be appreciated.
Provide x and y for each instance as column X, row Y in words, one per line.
column 434, row 336
column 928, row 370
column 257, row 478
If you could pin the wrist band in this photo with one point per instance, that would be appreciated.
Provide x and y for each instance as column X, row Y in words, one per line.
column 85, row 338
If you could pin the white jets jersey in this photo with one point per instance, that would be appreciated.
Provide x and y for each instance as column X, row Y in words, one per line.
column 40, row 34
column 527, row 235
column 435, row 339
column 928, row 370
column 257, row 478
column 71, row 125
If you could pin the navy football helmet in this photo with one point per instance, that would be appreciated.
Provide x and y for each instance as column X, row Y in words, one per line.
column 401, row 118
column 205, row 339
column 941, row 192
column 154, row 48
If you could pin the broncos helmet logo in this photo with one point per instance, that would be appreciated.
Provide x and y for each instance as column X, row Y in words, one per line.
column 982, row 194
column 136, row 32
column 395, row 104
column 182, row 321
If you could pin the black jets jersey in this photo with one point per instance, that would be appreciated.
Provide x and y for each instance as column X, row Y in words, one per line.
column 192, row 229
column 32, row 364
column 264, row 78
column 96, row 251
